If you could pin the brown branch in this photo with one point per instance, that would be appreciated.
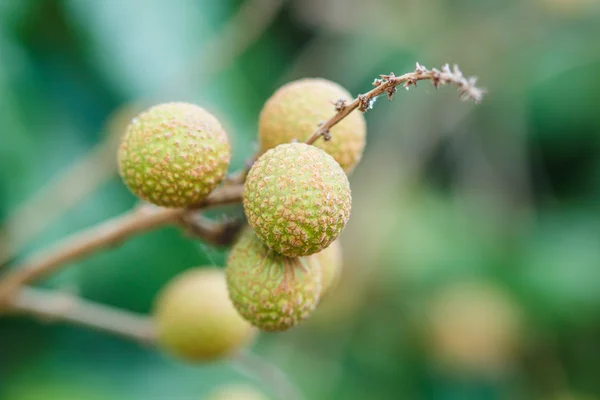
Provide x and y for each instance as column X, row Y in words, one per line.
column 51, row 306
column 387, row 85
column 108, row 233
column 217, row 233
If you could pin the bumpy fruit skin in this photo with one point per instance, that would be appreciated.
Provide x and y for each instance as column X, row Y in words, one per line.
column 297, row 199
column 195, row 319
column 296, row 109
column 174, row 154
column 330, row 263
column 271, row 291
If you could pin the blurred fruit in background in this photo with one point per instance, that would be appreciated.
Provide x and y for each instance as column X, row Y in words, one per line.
column 473, row 328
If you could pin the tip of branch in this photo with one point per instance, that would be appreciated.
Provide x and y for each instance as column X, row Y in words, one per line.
column 466, row 85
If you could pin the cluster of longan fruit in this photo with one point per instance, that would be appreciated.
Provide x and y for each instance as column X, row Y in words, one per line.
column 296, row 201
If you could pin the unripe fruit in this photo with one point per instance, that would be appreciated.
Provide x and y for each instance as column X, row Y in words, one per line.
column 295, row 111
column 271, row 291
column 329, row 261
column 195, row 319
column 473, row 327
column 297, row 199
column 236, row 392
column 174, row 154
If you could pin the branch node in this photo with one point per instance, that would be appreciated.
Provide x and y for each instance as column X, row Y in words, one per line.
column 340, row 104
column 390, row 92
column 420, row 69
column 364, row 103
column 387, row 78
column 222, row 232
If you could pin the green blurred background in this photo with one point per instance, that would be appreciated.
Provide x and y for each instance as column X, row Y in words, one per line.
column 472, row 258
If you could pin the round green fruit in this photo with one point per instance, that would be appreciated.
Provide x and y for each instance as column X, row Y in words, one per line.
column 271, row 291
column 195, row 319
column 295, row 111
column 329, row 261
column 297, row 199
column 174, row 154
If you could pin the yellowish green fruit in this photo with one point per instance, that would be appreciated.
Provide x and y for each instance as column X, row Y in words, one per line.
column 297, row 199
column 330, row 264
column 236, row 392
column 295, row 111
column 271, row 291
column 473, row 327
column 195, row 319
column 174, row 154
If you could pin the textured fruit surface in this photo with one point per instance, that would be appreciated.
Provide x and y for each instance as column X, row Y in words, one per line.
column 296, row 109
column 195, row 319
column 236, row 392
column 297, row 199
column 271, row 291
column 174, row 154
column 330, row 264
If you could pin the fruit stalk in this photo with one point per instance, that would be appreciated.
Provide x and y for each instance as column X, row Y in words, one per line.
column 50, row 305
column 217, row 233
column 105, row 234
column 388, row 83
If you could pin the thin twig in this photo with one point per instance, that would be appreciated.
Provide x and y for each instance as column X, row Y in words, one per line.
column 269, row 374
column 387, row 84
column 49, row 305
column 108, row 233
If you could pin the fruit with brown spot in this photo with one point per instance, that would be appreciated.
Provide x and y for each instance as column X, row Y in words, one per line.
column 174, row 154
column 271, row 291
column 297, row 108
column 297, row 198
